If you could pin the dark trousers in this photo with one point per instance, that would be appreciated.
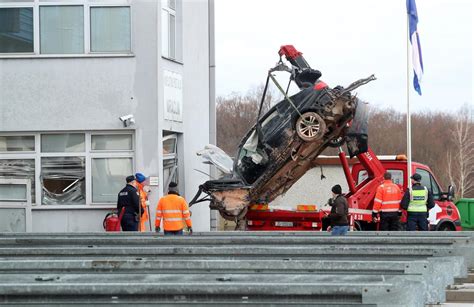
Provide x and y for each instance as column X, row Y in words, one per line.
column 174, row 233
column 389, row 221
column 419, row 219
column 129, row 222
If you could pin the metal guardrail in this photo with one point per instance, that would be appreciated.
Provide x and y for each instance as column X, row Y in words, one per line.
column 228, row 268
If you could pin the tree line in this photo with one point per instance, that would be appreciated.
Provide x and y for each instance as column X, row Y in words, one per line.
column 443, row 141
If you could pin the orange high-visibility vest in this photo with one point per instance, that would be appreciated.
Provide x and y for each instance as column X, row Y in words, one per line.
column 173, row 209
column 143, row 203
column 387, row 197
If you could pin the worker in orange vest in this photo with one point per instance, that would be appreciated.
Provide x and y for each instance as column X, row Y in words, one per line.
column 143, row 195
column 173, row 208
column 387, row 204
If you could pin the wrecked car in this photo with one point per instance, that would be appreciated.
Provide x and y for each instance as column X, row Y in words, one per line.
column 285, row 141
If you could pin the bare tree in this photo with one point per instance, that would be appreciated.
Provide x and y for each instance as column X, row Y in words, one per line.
column 440, row 140
column 237, row 113
column 460, row 157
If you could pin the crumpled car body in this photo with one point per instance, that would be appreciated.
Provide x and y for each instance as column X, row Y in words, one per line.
column 282, row 146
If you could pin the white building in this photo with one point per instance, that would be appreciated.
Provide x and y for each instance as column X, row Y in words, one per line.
column 69, row 69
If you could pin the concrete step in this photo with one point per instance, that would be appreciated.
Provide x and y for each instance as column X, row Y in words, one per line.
column 460, row 293
column 468, row 279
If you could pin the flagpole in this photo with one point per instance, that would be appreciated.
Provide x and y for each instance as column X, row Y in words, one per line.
column 408, row 106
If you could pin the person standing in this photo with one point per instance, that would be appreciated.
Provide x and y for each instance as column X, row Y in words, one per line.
column 387, row 204
column 143, row 195
column 339, row 212
column 173, row 208
column 417, row 201
column 128, row 201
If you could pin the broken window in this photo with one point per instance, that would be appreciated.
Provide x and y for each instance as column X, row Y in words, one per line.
column 17, row 169
column 63, row 180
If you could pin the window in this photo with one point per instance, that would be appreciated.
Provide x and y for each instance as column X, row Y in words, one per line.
column 63, row 180
column 12, row 192
column 170, row 160
column 428, row 181
column 108, row 178
column 362, row 176
column 69, row 142
column 168, row 28
column 112, row 142
column 18, row 169
column 169, row 146
column 73, row 168
column 62, row 29
column 17, row 143
column 110, row 29
column 16, row 30
column 397, row 176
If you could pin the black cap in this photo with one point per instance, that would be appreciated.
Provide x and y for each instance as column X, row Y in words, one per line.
column 336, row 189
column 416, row 177
column 173, row 187
column 129, row 179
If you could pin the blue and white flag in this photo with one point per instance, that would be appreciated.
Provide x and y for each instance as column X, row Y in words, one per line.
column 415, row 45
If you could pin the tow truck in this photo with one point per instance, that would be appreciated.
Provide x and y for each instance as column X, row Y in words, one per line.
column 282, row 145
column 363, row 179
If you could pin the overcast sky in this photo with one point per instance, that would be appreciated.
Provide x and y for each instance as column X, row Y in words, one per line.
column 347, row 40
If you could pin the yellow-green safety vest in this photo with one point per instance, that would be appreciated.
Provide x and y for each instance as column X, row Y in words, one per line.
column 418, row 200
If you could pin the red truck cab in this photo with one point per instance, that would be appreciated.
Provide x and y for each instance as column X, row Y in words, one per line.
column 443, row 217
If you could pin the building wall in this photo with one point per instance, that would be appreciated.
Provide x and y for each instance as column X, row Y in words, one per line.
column 196, row 98
column 90, row 93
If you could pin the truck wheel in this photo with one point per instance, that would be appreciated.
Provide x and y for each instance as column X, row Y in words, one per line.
column 446, row 227
column 357, row 226
column 310, row 126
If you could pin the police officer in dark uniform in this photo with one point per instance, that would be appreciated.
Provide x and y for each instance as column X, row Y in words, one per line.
column 129, row 200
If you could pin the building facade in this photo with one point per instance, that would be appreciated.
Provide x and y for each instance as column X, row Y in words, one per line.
column 94, row 90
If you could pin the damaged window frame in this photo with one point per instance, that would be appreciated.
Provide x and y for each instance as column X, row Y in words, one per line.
column 74, row 192
column 21, row 155
column 87, row 154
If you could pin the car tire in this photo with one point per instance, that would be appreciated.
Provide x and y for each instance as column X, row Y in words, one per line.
column 310, row 126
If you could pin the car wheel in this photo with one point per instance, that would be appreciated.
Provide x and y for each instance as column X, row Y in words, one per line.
column 337, row 142
column 310, row 126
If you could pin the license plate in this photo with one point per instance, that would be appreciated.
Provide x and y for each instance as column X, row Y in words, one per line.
column 284, row 224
